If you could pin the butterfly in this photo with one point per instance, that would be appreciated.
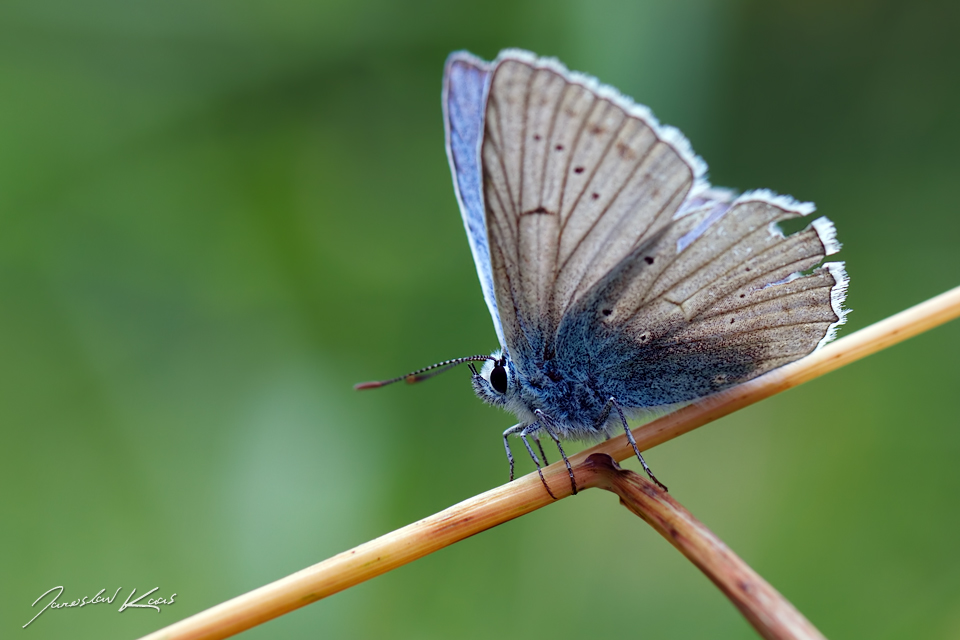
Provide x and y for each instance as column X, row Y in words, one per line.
column 617, row 278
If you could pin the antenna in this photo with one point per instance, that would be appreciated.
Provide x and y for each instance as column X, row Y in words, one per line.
column 421, row 374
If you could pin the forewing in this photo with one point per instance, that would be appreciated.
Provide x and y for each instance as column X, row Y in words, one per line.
column 719, row 297
column 464, row 84
column 575, row 177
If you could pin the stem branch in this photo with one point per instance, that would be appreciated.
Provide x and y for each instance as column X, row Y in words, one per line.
column 770, row 613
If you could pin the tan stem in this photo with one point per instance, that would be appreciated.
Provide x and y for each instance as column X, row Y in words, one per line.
column 526, row 494
column 770, row 613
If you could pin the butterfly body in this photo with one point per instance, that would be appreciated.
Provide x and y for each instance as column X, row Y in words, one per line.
column 572, row 393
column 617, row 278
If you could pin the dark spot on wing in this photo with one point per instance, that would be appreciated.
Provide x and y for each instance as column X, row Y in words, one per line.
column 559, row 147
column 644, row 336
column 536, row 136
column 597, row 130
column 719, row 379
column 625, row 151
column 648, row 259
column 594, row 195
column 731, row 320
column 578, row 169
column 607, row 312
column 748, row 268
column 743, row 295
column 541, row 210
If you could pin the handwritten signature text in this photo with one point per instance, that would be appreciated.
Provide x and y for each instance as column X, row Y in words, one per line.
column 129, row 603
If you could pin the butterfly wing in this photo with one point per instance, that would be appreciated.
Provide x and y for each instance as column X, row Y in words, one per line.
column 607, row 247
column 717, row 298
column 464, row 85
column 575, row 176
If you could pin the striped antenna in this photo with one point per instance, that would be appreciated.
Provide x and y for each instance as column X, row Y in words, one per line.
column 422, row 374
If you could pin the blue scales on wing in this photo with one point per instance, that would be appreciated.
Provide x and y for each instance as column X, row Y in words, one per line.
column 464, row 93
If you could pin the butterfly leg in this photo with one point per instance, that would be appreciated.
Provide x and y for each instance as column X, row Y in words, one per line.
column 543, row 455
column 633, row 443
column 506, row 445
column 536, row 426
column 546, row 420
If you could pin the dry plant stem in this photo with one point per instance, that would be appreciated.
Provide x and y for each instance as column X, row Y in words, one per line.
column 770, row 613
column 526, row 494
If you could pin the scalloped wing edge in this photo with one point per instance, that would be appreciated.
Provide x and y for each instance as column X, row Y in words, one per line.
column 838, row 295
column 827, row 234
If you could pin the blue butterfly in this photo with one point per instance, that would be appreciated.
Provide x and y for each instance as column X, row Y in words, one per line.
column 617, row 278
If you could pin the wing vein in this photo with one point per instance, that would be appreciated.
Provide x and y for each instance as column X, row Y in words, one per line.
column 613, row 200
column 566, row 174
column 593, row 172
column 521, row 161
column 500, row 160
column 546, row 155
column 655, row 280
column 752, row 330
column 733, row 268
column 748, row 305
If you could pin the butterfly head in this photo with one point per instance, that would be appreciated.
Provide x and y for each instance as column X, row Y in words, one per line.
column 495, row 382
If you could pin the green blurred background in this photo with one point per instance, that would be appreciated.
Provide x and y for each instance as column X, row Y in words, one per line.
column 215, row 217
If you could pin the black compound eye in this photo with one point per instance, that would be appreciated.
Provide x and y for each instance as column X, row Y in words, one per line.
column 498, row 378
